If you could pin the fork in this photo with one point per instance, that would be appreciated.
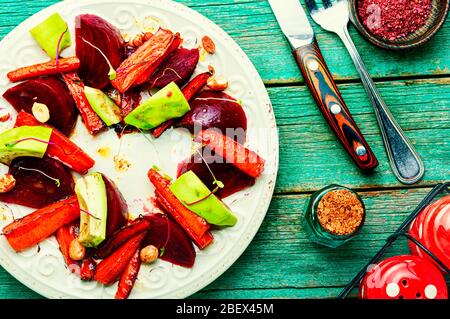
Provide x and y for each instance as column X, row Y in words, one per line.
column 404, row 159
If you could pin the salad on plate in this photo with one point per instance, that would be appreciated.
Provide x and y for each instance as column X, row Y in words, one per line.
column 145, row 84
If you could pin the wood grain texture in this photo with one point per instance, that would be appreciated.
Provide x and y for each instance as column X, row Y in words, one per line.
column 310, row 156
column 327, row 96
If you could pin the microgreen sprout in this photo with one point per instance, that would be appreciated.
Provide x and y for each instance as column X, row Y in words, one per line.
column 163, row 248
column 56, row 180
column 203, row 198
column 163, row 75
column 216, row 99
column 151, row 142
column 219, row 184
column 112, row 73
column 58, row 46
column 121, row 140
column 89, row 213
column 12, row 144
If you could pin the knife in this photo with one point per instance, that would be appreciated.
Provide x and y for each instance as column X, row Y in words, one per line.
column 295, row 25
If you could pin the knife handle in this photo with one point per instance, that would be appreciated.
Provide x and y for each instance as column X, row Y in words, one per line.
column 331, row 104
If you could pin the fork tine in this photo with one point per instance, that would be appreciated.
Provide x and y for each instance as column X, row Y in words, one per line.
column 311, row 5
column 327, row 3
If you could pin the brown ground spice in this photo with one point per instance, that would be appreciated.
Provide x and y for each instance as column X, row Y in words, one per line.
column 340, row 212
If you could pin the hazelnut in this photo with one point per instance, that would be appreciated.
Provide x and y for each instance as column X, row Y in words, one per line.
column 149, row 254
column 40, row 112
column 208, row 45
column 76, row 250
column 211, row 69
column 217, row 83
column 7, row 183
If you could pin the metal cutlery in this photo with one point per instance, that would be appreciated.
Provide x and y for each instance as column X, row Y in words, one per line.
column 297, row 29
column 404, row 159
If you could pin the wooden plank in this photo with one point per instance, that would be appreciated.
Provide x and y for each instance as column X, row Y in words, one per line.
column 10, row 288
column 307, row 270
column 311, row 157
column 253, row 26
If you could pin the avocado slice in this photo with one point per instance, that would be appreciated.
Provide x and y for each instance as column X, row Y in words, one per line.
column 105, row 108
column 22, row 141
column 48, row 33
column 188, row 188
column 166, row 104
column 92, row 198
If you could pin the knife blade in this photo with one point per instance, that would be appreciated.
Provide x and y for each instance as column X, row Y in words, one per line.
column 295, row 25
column 293, row 22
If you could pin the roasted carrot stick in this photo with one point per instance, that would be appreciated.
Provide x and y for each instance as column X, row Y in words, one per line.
column 60, row 147
column 241, row 157
column 30, row 230
column 129, row 277
column 189, row 91
column 139, row 66
column 87, row 270
column 64, row 236
column 158, row 131
column 195, row 226
column 120, row 236
column 202, row 241
column 76, row 87
column 48, row 68
column 194, row 86
column 109, row 269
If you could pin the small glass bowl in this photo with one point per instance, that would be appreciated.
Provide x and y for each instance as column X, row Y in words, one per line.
column 315, row 231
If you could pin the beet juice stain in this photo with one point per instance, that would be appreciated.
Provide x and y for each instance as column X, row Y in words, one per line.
column 394, row 19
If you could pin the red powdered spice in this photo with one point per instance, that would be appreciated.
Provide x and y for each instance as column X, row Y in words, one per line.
column 394, row 19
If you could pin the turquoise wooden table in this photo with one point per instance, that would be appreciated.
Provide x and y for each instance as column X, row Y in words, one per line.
column 281, row 262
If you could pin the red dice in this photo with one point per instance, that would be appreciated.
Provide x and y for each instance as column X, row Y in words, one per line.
column 432, row 229
column 404, row 277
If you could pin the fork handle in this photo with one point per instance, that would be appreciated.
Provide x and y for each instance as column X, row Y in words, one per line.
column 404, row 159
column 330, row 102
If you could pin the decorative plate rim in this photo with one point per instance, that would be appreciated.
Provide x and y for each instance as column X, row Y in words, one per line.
column 258, row 216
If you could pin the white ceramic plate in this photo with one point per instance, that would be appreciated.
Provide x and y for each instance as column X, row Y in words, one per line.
column 43, row 269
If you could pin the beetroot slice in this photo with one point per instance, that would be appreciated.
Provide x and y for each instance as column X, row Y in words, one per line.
column 117, row 207
column 130, row 100
column 35, row 190
column 233, row 179
column 211, row 109
column 49, row 91
column 178, row 68
column 179, row 249
column 119, row 237
column 94, row 68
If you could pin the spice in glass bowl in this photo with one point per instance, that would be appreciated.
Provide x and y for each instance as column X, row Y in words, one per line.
column 340, row 212
column 394, row 19
column 334, row 216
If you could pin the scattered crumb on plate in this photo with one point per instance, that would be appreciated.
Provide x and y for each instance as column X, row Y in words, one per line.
column 121, row 164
